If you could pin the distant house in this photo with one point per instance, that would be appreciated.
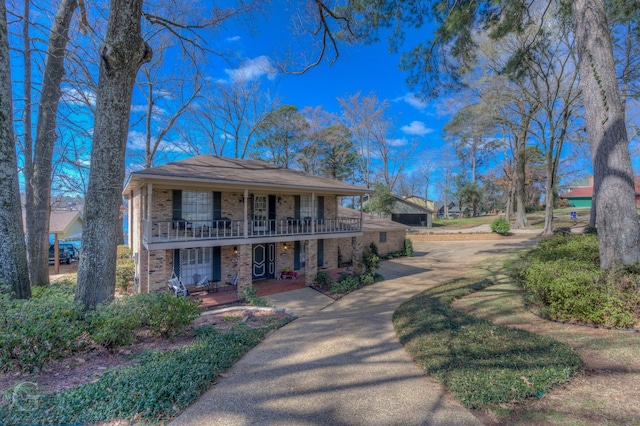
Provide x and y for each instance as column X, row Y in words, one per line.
column 582, row 196
column 453, row 210
column 411, row 214
column 423, row 202
column 408, row 213
column 64, row 225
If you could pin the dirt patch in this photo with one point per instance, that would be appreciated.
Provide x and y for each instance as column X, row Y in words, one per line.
column 88, row 366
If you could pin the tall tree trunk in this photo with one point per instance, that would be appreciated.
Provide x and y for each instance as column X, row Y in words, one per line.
column 616, row 216
column 549, row 198
column 39, row 205
column 27, row 121
column 13, row 253
column 121, row 56
column 520, row 164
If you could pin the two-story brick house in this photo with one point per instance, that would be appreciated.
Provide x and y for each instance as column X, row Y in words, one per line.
column 222, row 218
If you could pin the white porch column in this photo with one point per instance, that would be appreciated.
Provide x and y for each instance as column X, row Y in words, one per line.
column 314, row 213
column 361, row 212
column 246, row 213
column 130, row 221
column 149, row 201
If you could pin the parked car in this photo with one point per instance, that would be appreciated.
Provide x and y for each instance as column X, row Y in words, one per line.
column 67, row 252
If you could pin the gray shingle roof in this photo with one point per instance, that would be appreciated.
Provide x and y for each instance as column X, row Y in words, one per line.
column 371, row 222
column 406, row 207
column 239, row 173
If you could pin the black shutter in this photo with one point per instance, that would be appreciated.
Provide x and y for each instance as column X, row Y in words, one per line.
column 176, row 262
column 217, row 205
column 320, row 252
column 296, row 206
column 177, row 204
column 320, row 208
column 217, row 264
column 272, row 212
column 296, row 255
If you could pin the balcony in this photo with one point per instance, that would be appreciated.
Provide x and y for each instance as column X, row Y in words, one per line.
column 157, row 233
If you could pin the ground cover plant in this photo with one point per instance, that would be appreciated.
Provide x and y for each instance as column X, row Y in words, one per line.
column 157, row 387
column 481, row 363
column 171, row 362
column 563, row 281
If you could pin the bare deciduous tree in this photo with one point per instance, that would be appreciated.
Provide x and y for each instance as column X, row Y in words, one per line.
column 13, row 254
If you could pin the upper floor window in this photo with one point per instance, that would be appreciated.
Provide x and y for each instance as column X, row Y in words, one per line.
column 197, row 206
column 306, row 206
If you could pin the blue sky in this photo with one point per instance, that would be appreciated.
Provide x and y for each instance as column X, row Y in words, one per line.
column 365, row 68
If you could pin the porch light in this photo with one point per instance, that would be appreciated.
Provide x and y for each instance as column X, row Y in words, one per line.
column 235, row 250
column 284, row 246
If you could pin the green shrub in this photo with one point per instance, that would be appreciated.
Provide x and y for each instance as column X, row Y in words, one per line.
column 407, row 250
column 373, row 248
column 123, row 252
column 167, row 316
column 35, row 331
column 500, row 226
column 367, row 278
column 323, row 280
column 114, row 323
column 371, row 261
column 568, row 246
column 125, row 272
column 563, row 279
column 250, row 294
column 590, row 230
column 345, row 284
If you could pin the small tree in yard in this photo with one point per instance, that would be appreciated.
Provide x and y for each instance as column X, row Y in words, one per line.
column 500, row 226
column 381, row 201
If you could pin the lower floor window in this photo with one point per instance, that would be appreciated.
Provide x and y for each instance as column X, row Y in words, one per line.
column 383, row 237
column 195, row 264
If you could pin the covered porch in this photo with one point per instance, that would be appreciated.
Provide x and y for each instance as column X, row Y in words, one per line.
column 227, row 294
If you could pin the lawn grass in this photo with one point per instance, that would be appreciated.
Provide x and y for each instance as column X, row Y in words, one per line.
column 481, row 363
column 462, row 223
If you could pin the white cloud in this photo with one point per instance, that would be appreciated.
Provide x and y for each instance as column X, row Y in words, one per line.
column 157, row 111
column 413, row 100
column 232, row 39
column 252, row 69
column 78, row 97
column 398, row 142
column 416, row 128
column 137, row 140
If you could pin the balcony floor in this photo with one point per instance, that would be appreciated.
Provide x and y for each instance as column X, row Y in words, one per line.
column 227, row 294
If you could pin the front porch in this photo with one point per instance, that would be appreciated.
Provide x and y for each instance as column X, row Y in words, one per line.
column 227, row 294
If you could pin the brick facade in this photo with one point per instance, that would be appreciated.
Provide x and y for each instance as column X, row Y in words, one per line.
column 155, row 267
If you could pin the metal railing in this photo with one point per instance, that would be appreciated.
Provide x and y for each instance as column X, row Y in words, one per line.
column 183, row 230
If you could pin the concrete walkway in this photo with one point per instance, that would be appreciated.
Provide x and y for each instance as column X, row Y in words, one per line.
column 340, row 362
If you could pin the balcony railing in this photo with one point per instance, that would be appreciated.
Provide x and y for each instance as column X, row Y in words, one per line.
column 161, row 231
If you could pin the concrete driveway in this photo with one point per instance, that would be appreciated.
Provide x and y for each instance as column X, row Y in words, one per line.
column 340, row 362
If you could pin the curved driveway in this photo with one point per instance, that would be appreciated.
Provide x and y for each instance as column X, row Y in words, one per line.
column 340, row 362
